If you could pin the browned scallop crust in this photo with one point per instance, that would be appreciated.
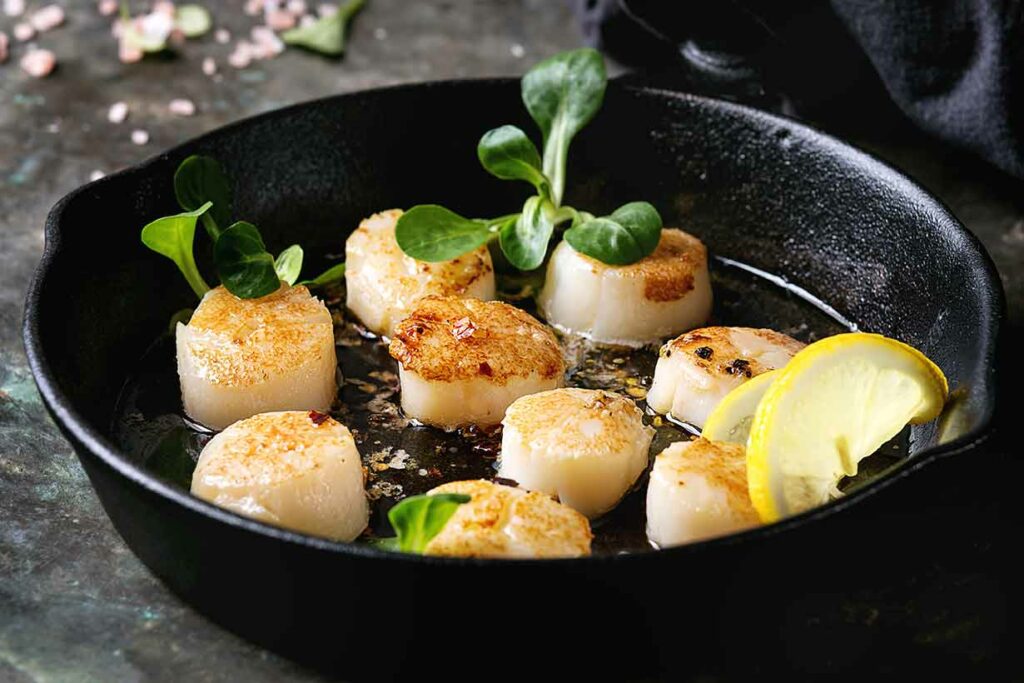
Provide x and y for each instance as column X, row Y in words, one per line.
column 668, row 272
column 239, row 342
column 557, row 418
column 449, row 339
column 712, row 349
column 500, row 521
column 723, row 465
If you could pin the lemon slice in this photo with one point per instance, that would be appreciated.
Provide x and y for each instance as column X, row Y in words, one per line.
column 835, row 403
column 731, row 419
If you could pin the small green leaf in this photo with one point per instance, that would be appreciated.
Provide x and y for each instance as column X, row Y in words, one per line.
column 173, row 236
column 629, row 234
column 429, row 232
column 192, row 20
column 289, row 264
column 329, row 34
column 200, row 179
column 524, row 240
column 507, row 153
column 332, row 274
column 418, row 519
column 243, row 264
column 562, row 94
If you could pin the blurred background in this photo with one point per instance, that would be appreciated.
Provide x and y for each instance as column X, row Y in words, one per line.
column 85, row 92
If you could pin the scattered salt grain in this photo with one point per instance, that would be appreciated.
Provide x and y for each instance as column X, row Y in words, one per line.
column 118, row 112
column 327, row 10
column 222, row 36
column 38, row 63
column 164, row 7
column 14, row 8
column 296, row 7
column 182, row 107
column 280, row 20
column 96, row 175
column 307, row 20
column 517, row 50
column 380, row 33
column 209, row 66
column 4, row 44
column 107, row 7
column 24, row 32
column 47, row 18
column 253, row 7
column 140, row 137
column 266, row 44
column 242, row 55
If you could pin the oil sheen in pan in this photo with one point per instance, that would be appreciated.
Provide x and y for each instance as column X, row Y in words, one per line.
column 402, row 458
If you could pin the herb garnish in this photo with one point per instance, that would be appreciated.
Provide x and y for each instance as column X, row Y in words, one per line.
column 417, row 519
column 562, row 94
column 328, row 34
column 243, row 264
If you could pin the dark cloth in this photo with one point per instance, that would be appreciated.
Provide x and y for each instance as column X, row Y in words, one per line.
column 954, row 68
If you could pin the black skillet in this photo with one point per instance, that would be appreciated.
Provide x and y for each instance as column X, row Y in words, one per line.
column 757, row 188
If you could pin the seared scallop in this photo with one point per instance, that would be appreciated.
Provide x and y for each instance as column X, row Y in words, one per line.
column 696, row 370
column 383, row 284
column 503, row 521
column 239, row 357
column 463, row 361
column 299, row 470
column 584, row 447
column 698, row 490
column 663, row 294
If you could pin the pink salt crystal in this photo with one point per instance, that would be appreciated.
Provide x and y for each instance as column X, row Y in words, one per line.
column 140, row 137
column 47, row 18
column 280, row 20
column 327, row 10
column 38, row 63
column 4, row 43
column 14, row 8
column 209, row 66
column 128, row 53
column 296, row 7
column 165, row 8
column 118, row 112
column 107, row 7
column 267, row 44
column 253, row 7
column 307, row 20
column 182, row 107
column 242, row 55
column 24, row 32
column 222, row 36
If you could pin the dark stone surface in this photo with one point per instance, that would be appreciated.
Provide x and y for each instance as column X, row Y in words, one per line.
column 75, row 604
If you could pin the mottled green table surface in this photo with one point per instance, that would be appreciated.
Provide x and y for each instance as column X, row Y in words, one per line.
column 74, row 602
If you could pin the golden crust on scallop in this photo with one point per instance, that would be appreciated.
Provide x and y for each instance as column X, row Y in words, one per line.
column 574, row 421
column 668, row 272
column 723, row 466
column 448, row 339
column 502, row 521
column 241, row 342
column 731, row 350
column 274, row 447
column 401, row 280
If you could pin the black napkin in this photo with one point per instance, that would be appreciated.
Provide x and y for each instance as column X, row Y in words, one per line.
column 954, row 68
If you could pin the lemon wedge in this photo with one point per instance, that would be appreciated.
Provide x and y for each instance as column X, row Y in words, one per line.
column 731, row 419
column 835, row 403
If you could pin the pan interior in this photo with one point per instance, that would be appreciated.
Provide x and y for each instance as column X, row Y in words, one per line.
column 402, row 458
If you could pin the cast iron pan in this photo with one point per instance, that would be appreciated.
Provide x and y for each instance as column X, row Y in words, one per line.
column 755, row 187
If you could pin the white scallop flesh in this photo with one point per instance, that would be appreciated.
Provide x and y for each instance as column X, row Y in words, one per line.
column 696, row 370
column 698, row 490
column 584, row 447
column 240, row 357
column 383, row 285
column 299, row 470
column 663, row 294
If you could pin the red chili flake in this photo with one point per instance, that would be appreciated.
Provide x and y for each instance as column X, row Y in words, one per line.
column 485, row 369
column 318, row 418
column 463, row 328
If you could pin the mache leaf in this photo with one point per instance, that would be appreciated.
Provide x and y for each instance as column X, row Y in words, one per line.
column 243, row 264
column 173, row 237
column 332, row 274
column 329, row 34
column 418, row 519
column 629, row 234
column 429, row 232
column 524, row 239
column 509, row 154
column 198, row 180
column 288, row 264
